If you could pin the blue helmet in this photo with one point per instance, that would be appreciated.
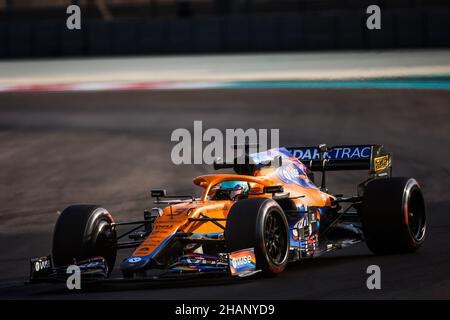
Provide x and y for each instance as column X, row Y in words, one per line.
column 230, row 190
column 234, row 185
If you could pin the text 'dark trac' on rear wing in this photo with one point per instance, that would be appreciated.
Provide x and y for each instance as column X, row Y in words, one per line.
column 349, row 157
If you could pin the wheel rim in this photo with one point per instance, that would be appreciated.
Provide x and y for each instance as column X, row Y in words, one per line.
column 416, row 216
column 275, row 238
column 104, row 244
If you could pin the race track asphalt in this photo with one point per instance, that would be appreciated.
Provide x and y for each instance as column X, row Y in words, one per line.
column 111, row 148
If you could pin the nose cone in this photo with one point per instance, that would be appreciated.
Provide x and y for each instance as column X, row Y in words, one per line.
column 135, row 264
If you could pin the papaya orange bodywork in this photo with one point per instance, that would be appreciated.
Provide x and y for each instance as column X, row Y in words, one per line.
column 175, row 218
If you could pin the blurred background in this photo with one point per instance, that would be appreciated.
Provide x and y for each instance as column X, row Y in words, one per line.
column 37, row 28
column 86, row 117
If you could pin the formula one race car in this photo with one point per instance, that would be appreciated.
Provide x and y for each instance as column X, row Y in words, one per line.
column 268, row 213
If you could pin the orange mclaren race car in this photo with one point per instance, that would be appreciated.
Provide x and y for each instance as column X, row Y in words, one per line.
column 268, row 213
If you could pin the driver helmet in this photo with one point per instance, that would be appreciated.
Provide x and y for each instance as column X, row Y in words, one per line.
column 235, row 188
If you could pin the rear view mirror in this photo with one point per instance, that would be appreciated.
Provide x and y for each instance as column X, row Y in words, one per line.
column 158, row 193
column 273, row 189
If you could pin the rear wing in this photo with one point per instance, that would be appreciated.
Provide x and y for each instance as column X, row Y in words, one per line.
column 348, row 157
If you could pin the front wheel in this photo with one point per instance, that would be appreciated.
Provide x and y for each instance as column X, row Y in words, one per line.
column 82, row 232
column 259, row 223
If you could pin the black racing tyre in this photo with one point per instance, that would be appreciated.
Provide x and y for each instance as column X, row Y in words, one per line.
column 259, row 223
column 393, row 215
column 84, row 231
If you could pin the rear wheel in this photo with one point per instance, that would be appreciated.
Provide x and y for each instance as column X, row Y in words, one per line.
column 259, row 223
column 393, row 215
column 84, row 231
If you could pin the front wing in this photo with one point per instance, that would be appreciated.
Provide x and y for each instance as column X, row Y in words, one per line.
column 237, row 264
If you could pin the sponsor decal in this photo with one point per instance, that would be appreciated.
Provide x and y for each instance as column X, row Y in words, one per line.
column 242, row 261
column 289, row 174
column 298, row 229
column 292, row 173
column 134, row 259
column 338, row 153
column 381, row 163
column 41, row 265
column 163, row 226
